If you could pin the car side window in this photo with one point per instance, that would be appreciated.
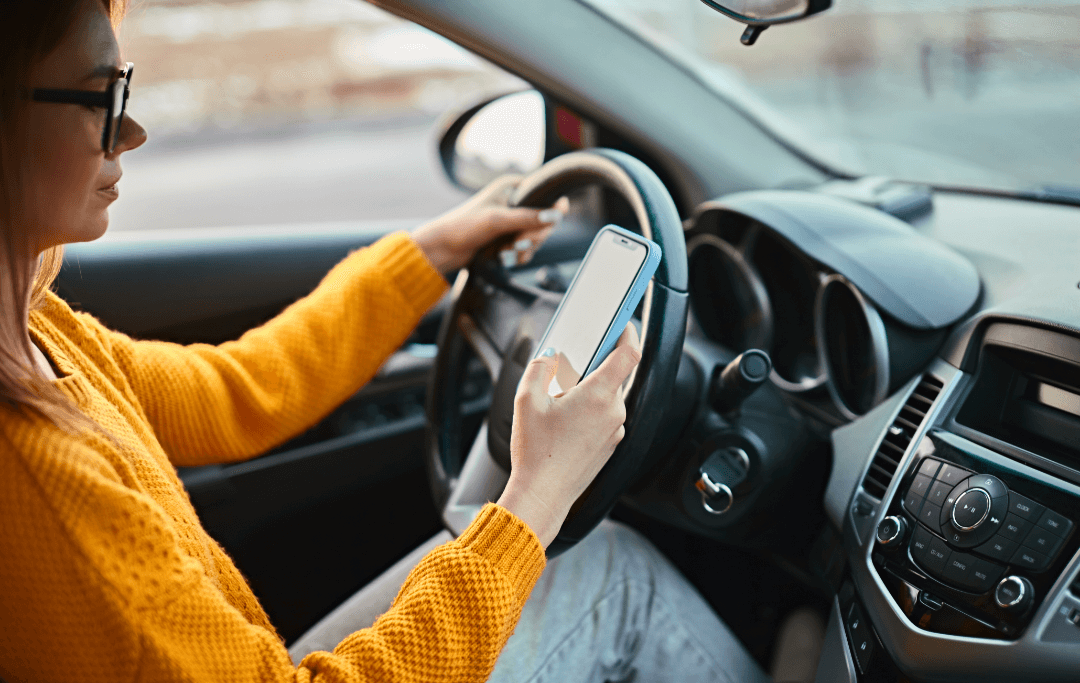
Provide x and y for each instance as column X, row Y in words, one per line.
column 290, row 112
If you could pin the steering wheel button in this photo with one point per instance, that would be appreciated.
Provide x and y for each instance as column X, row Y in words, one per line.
column 929, row 467
column 1024, row 507
column 998, row 548
column 1014, row 528
column 1041, row 540
column 1056, row 523
column 951, row 474
column 971, row 509
column 921, row 485
column 1026, row 558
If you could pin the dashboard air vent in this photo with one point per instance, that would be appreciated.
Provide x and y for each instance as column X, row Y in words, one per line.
column 899, row 435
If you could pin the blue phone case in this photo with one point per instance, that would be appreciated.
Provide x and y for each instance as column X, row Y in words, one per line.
column 630, row 300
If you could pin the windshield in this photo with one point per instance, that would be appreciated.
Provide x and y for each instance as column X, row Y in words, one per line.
column 981, row 94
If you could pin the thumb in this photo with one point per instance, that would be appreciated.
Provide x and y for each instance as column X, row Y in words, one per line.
column 538, row 374
column 619, row 364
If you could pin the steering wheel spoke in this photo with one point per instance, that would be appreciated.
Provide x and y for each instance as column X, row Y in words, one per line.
column 481, row 481
column 490, row 313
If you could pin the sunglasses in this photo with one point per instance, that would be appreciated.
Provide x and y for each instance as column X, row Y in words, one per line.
column 113, row 101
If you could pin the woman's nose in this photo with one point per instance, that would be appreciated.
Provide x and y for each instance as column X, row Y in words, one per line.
column 132, row 135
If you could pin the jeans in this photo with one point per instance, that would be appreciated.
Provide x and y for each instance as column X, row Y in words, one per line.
column 610, row 609
column 614, row 609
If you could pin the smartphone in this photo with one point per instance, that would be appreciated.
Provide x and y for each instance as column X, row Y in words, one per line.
column 599, row 302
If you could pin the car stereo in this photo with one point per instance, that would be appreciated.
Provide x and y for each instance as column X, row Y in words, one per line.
column 982, row 543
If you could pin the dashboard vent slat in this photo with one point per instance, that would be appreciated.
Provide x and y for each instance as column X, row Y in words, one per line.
column 898, row 436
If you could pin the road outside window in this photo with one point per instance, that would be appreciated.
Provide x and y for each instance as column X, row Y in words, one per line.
column 283, row 112
column 979, row 93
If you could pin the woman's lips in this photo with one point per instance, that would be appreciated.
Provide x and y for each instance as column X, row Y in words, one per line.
column 110, row 192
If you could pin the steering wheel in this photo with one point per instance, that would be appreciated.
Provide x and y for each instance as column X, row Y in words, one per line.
column 502, row 321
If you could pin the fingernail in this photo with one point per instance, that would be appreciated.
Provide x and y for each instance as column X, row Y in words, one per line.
column 508, row 258
column 548, row 352
column 549, row 216
column 523, row 244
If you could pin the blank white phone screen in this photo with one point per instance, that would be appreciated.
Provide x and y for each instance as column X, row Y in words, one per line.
column 591, row 305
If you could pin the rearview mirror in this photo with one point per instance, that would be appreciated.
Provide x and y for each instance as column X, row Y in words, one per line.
column 758, row 15
column 496, row 137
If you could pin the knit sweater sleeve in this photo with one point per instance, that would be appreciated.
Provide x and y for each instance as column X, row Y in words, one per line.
column 233, row 401
column 97, row 587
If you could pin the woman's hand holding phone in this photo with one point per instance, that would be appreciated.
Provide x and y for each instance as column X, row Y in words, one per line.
column 559, row 444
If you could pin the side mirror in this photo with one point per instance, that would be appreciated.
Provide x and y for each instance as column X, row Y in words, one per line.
column 499, row 136
column 758, row 15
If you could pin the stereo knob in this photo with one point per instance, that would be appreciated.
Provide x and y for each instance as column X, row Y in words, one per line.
column 1014, row 593
column 891, row 531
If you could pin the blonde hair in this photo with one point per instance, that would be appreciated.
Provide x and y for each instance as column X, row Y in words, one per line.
column 29, row 32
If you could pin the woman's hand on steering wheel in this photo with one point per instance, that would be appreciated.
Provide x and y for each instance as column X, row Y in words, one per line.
column 451, row 240
column 558, row 445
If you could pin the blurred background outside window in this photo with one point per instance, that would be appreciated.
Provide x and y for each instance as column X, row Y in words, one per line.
column 266, row 112
column 978, row 93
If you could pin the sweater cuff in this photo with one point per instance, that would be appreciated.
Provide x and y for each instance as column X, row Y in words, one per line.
column 405, row 264
column 508, row 543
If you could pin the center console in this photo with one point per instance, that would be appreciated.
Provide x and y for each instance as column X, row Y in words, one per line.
column 961, row 531
column 982, row 543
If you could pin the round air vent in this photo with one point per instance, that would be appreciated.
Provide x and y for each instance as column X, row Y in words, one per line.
column 728, row 297
column 852, row 346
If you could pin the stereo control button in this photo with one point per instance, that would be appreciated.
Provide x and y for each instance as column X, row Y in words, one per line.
column 929, row 467
column 971, row 509
column 950, row 500
column 986, row 574
column 960, row 569
column 990, row 484
column 1024, row 507
column 951, row 474
column 937, row 556
column 998, row 548
column 913, row 502
column 1026, row 558
column 1052, row 521
column 930, row 515
column 1043, row 541
column 921, row 485
column 1014, row 528
column 938, row 493
column 920, row 545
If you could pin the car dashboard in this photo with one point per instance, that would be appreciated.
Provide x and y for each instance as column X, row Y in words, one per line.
column 941, row 359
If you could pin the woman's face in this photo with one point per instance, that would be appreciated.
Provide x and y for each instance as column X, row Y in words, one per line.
column 70, row 181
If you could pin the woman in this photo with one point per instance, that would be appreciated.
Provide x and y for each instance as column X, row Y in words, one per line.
column 105, row 571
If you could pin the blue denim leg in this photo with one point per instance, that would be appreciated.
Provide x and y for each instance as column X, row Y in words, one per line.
column 614, row 609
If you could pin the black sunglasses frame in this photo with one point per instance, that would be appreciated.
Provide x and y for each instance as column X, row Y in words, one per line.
column 92, row 98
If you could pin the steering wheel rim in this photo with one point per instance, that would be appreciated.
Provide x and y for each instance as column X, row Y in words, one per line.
column 483, row 302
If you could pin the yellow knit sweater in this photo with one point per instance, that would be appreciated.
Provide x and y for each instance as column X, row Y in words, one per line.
column 106, row 573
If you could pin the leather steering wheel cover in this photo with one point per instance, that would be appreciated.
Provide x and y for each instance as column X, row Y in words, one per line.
column 651, row 202
column 664, row 326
